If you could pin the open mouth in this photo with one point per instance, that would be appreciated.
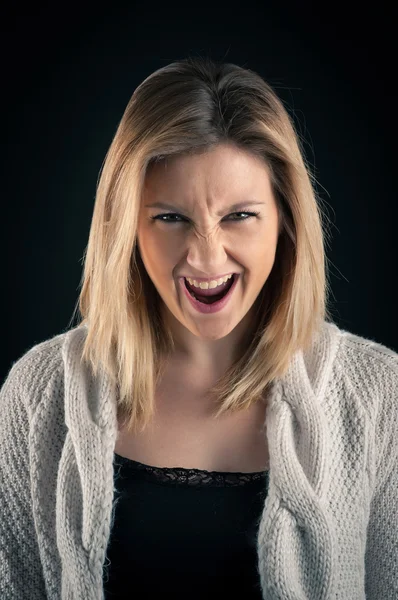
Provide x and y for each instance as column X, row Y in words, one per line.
column 209, row 299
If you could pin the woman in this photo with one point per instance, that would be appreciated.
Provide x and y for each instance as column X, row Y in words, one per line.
column 206, row 430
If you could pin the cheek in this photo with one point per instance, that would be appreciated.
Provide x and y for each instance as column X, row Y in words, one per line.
column 258, row 253
column 260, row 244
column 158, row 252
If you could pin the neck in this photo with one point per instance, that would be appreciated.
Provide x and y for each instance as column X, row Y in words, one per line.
column 211, row 356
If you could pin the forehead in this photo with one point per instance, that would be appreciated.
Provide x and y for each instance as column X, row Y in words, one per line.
column 214, row 176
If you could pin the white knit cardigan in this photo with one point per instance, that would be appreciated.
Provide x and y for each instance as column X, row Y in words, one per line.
column 329, row 526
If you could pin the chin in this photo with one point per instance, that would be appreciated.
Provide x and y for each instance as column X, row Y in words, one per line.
column 212, row 332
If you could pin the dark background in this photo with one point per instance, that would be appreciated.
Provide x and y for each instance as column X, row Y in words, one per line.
column 67, row 75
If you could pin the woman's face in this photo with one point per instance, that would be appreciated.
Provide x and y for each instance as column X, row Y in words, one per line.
column 206, row 236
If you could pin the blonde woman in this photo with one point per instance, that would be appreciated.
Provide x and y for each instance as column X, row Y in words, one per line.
column 206, row 431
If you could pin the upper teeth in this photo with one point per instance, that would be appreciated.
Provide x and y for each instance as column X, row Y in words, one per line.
column 204, row 285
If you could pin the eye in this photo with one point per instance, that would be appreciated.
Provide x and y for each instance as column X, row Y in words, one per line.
column 251, row 214
column 162, row 217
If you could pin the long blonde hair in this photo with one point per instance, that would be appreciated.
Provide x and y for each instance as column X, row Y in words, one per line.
column 186, row 107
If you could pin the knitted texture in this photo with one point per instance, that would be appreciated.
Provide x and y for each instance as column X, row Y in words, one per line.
column 329, row 526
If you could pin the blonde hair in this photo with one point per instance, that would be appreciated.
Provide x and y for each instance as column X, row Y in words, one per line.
column 187, row 107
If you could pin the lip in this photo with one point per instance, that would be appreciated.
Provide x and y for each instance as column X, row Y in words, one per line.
column 209, row 308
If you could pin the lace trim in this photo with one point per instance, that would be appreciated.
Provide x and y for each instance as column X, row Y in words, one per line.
column 181, row 475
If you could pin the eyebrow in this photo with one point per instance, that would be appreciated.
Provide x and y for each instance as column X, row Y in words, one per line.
column 234, row 207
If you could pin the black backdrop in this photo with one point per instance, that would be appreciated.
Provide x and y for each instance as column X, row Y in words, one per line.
column 67, row 75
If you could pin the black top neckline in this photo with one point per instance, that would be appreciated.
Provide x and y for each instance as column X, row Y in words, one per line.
column 193, row 476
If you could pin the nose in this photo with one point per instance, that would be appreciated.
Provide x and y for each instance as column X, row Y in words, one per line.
column 207, row 254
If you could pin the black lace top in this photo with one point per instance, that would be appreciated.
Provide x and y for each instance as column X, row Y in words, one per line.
column 183, row 533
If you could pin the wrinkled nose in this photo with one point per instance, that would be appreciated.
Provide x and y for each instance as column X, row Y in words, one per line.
column 206, row 254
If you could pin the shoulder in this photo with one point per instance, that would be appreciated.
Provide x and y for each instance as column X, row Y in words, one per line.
column 336, row 354
column 368, row 371
column 365, row 355
column 39, row 370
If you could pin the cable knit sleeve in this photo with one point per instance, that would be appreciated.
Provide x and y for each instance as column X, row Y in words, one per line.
column 21, row 575
column 382, row 535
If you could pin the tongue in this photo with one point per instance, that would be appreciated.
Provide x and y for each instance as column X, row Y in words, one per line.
column 210, row 292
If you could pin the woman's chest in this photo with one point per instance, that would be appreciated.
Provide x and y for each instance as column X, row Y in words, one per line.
column 184, row 435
